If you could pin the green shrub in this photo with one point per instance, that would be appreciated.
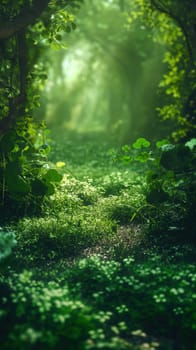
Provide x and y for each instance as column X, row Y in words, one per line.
column 170, row 186
column 26, row 177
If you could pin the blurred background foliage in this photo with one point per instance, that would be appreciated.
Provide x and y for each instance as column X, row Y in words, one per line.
column 96, row 251
column 127, row 70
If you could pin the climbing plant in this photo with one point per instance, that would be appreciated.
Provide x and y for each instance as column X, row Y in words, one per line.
column 27, row 28
column 173, row 24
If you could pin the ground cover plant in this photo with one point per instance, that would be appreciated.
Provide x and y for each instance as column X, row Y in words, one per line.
column 97, row 213
column 86, row 275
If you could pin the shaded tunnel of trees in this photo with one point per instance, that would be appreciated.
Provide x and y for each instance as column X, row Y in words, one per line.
column 97, row 174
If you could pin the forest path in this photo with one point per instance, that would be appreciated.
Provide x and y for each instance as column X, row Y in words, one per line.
column 91, row 162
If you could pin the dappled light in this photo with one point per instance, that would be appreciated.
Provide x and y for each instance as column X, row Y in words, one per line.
column 97, row 174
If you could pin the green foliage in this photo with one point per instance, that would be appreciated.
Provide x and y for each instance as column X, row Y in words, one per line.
column 60, row 300
column 72, row 221
column 170, row 190
column 124, row 291
column 7, row 243
column 25, row 175
column 171, row 24
column 122, row 205
column 191, row 144
column 57, row 293
column 116, row 182
column 84, row 191
column 52, row 238
column 45, row 315
column 141, row 143
column 119, row 99
column 100, row 303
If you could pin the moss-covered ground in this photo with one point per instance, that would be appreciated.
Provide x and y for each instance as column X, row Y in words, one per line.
column 86, row 273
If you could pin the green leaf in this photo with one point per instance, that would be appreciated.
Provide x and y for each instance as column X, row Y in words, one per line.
column 58, row 37
column 17, row 185
column 153, row 176
column 52, row 175
column 161, row 143
column 127, row 159
column 68, row 29
column 140, row 143
column 126, row 148
column 74, row 26
column 39, row 188
column 167, row 147
column 142, row 157
column 60, row 164
column 8, row 141
column 50, row 189
column 191, row 143
column 7, row 242
column 13, row 169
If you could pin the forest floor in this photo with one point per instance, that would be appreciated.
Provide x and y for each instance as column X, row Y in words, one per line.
column 87, row 274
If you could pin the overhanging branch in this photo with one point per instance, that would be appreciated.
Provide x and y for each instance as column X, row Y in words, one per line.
column 27, row 16
column 161, row 7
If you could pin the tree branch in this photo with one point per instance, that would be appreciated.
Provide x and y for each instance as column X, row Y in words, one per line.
column 27, row 16
column 161, row 7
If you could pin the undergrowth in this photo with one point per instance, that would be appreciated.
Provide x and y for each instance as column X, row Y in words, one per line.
column 94, row 270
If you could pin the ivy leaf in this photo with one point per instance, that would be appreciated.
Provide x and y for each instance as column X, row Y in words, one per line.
column 140, row 143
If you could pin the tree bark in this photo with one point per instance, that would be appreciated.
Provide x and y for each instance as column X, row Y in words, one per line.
column 27, row 16
column 17, row 103
column 17, row 28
